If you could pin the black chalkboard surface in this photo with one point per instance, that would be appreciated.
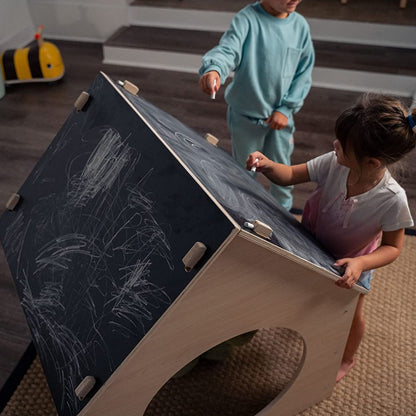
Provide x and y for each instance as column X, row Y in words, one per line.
column 231, row 185
column 96, row 243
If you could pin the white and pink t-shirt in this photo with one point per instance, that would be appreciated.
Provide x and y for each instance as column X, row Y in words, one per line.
column 351, row 227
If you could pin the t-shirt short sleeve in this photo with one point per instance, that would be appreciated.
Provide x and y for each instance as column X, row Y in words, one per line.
column 398, row 215
column 318, row 168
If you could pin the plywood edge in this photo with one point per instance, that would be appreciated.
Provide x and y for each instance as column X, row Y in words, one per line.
column 221, row 208
column 287, row 254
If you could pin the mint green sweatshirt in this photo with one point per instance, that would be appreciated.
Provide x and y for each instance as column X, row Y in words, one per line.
column 272, row 60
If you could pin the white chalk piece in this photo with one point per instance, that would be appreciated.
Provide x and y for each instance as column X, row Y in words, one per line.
column 129, row 86
column 81, row 100
column 211, row 139
column 193, row 256
column 12, row 202
column 85, row 387
column 260, row 228
column 249, row 225
column 253, row 168
column 213, row 94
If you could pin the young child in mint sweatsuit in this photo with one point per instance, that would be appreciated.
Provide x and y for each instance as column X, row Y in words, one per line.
column 269, row 48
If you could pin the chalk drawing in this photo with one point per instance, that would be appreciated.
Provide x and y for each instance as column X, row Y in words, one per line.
column 114, row 251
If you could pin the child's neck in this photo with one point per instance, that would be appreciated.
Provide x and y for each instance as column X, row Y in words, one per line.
column 360, row 182
column 274, row 12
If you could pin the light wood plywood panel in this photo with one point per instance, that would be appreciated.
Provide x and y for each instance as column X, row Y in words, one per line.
column 244, row 287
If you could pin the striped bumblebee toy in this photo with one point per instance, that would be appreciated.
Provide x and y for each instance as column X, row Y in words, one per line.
column 39, row 62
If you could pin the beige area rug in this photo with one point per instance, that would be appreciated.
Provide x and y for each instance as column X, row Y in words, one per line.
column 383, row 382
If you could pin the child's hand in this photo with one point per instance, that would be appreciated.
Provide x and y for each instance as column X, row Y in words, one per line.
column 259, row 161
column 210, row 82
column 277, row 121
column 353, row 270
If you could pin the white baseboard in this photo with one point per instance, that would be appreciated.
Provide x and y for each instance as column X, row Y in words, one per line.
column 350, row 80
column 400, row 36
column 144, row 58
column 179, row 18
column 397, row 36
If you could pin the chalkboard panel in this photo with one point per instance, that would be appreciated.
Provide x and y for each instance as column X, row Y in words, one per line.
column 96, row 243
column 232, row 186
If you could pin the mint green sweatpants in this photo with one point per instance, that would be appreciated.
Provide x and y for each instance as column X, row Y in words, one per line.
column 249, row 134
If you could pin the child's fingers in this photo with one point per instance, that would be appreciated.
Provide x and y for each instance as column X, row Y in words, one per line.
column 351, row 274
column 205, row 83
column 202, row 84
column 249, row 162
column 347, row 280
column 213, row 82
column 255, row 165
column 341, row 262
column 342, row 281
column 208, row 84
column 252, row 160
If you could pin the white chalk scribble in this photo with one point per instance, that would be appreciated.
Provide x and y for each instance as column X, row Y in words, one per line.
column 88, row 279
column 102, row 169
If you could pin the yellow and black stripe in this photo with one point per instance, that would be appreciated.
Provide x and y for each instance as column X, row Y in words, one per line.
column 21, row 63
column 33, row 63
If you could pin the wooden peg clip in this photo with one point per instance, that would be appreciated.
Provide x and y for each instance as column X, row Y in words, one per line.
column 12, row 202
column 81, row 101
column 193, row 256
column 211, row 139
column 260, row 228
column 84, row 387
column 129, row 86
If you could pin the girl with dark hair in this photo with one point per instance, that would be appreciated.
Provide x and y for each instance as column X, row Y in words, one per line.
column 357, row 211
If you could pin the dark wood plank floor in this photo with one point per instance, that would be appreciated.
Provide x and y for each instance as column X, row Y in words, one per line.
column 31, row 115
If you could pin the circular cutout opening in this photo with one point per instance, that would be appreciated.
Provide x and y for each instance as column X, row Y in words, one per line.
column 236, row 381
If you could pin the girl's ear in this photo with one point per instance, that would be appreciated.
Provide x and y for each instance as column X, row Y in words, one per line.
column 375, row 163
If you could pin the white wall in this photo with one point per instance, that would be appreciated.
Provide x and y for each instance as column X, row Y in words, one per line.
column 81, row 20
column 16, row 25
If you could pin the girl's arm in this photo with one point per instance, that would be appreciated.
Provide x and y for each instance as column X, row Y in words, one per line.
column 277, row 172
column 386, row 253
